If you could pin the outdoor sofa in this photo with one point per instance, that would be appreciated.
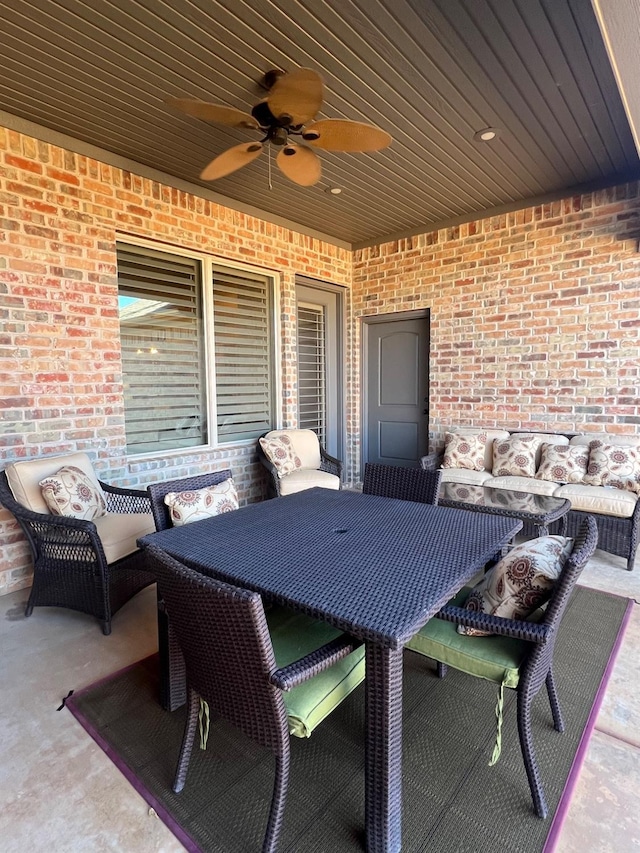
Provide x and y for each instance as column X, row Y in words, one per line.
column 598, row 472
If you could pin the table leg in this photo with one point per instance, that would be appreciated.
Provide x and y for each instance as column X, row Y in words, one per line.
column 383, row 749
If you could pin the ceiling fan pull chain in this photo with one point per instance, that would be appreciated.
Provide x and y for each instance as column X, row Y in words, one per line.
column 269, row 156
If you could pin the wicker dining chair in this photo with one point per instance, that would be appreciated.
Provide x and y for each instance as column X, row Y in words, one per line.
column 522, row 651
column 173, row 690
column 316, row 468
column 406, row 484
column 90, row 566
column 231, row 665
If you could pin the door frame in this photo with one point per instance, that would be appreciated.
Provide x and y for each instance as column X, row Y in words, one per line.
column 340, row 294
column 369, row 320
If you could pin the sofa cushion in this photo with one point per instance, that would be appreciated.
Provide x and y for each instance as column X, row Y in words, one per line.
column 73, row 493
column 464, row 451
column 515, row 456
column 194, row 505
column 278, row 449
column 599, row 499
column 614, row 465
column 465, row 476
column 118, row 532
column 563, row 464
column 523, row 484
column 306, row 478
column 586, row 439
column 521, row 582
column 492, row 435
column 24, row 477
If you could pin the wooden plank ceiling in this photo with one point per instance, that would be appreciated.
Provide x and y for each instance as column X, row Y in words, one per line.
column 430, row 72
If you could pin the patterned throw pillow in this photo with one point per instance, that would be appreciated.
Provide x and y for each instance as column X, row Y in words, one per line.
column 279, row 451
column 520, row 583
column 464, row 451
column 563, row 463
column 186, row 507
column 611, row 465
column 72, row 493
column 515, row 456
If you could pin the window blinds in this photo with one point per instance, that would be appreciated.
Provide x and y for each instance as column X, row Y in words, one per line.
column 312, row 370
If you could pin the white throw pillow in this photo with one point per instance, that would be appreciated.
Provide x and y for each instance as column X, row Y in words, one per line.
column 520, row 583
column 187, row 507
column 563, row 463
column 72, row 493
column 613, row 465
column 279, row 451
column 464, row 451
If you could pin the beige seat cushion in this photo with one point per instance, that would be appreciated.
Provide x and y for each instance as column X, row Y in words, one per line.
column 118, row 532
column 24, row 477
column 305, row 478
column 523, row 484
column 599, row 499
column 305, row 444
column 465, row 476
column 491, row 434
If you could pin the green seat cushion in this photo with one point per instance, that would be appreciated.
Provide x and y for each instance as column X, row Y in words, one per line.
column 494, row 658
column 293, row 636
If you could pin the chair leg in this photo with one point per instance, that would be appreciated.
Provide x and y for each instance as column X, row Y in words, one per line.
column 558, row 722
column 442, row 669
column 276, row 813
column 193, row 707
column 526, row 745
column 106, row 626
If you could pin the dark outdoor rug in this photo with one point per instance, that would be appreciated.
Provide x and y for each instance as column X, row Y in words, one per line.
column 453, row 802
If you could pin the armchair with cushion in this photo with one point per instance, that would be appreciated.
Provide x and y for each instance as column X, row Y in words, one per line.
column 269, row 675
column 512, row 652
column 82, row 534
column 173, row 689
column 296, row 461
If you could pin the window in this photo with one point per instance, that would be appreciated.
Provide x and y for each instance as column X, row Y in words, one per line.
column 180, row 315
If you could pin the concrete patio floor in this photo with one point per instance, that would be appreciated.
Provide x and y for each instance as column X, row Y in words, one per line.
column 59, row 791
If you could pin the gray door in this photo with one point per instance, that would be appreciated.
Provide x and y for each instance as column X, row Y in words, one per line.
column 396, row 389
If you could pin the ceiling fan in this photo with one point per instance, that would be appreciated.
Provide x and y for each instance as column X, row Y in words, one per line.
column 288, row 111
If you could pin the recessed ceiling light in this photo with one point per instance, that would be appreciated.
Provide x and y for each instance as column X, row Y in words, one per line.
column 334, row 190
column 487, row 134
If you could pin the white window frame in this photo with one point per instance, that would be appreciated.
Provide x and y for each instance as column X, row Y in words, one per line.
column 207, row 263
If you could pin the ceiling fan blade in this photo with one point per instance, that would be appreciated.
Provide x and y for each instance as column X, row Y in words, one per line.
column 301, row 165
column 334, row 134
column 217, row 113
column 298, row 94
column 230, row 160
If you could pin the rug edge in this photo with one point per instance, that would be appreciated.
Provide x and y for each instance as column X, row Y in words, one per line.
column 579, row 758
column 163, row 814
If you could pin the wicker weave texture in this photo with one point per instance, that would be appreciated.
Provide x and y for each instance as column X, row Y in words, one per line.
column 406, row 484
column 537, row 667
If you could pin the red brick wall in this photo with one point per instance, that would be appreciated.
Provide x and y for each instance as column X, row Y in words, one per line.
column 535, row 315
column 60, row 371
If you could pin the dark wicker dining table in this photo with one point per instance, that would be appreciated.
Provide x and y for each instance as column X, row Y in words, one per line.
column 378, row 568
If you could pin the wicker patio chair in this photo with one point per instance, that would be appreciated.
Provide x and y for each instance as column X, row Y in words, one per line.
column 232, row 665
column 318, row 468
column 525, row 658
column 91, row 566
column 173, row 690
column 407, row 484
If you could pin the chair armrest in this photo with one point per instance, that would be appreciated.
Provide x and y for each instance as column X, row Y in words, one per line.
column 535, row 632
column 316, row 661
column 125, row 500
column 431, row 462
column 330, row 463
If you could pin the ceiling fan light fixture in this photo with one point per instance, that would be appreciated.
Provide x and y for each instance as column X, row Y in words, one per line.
column 487, row 134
